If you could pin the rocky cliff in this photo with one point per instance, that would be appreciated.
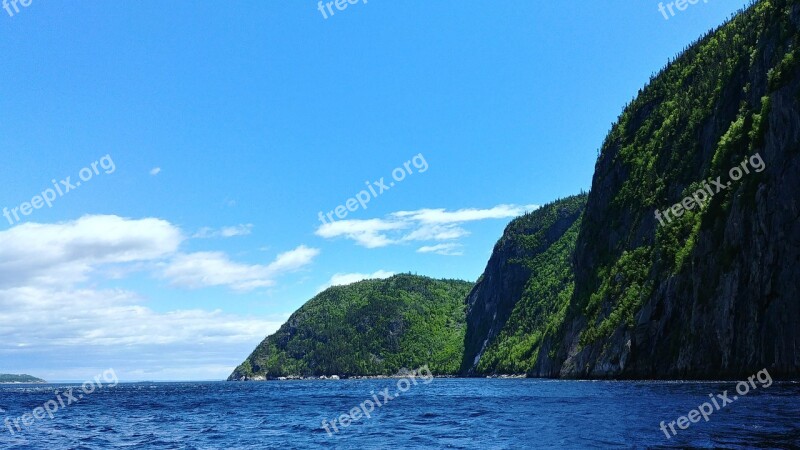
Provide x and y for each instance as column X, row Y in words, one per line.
column 682, row 261
column 520, row 274
column 666, row 287
column 714, row 292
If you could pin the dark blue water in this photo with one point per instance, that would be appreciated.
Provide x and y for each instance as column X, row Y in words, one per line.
column 446, row 413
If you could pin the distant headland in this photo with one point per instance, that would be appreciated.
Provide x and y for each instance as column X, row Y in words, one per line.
column 8, row 378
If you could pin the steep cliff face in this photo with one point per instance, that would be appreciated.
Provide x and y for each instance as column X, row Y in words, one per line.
column 705, row 290
column 524, row 254
column 712, row 293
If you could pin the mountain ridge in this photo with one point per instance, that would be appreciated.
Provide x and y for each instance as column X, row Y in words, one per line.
column 599, row 286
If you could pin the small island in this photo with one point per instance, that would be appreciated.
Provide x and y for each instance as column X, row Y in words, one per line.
column 9, row 379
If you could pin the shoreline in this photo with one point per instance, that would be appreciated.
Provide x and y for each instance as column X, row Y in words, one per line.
column 500, row 377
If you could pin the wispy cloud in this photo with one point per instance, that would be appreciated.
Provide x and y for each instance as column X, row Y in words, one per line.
column 207, row 269
column 224, row 232
column 442, row 216
column 342, row 279
column 420, row 225
column 155, row 171
column 367, row 233
column 450, row 249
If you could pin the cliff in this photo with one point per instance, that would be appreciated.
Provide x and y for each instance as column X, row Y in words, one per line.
column 526, row 286
column 666, row 287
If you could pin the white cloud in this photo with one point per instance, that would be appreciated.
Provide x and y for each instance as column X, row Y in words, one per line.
column 155, row 171
column 224, row 232
column 442, row 249
column 111, row 328
column 442, row 216
column 80, row 317
column 57, row 323
column 66, row 253
column 421, row 225
column 206, row 269
column 293, row 259
column 342, row 279
column 367, row 233
column 436, row 232
column 50, row 312
column 238, row 230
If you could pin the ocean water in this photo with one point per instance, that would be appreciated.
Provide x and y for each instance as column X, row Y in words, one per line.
column 442, row 413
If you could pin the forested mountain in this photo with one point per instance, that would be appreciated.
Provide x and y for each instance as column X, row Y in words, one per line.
column 523, row 294
column 707, row 289
column 683, row 261
column 373, row 327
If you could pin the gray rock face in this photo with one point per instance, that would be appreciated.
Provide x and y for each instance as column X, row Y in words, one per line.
column 734, row 308
column 492, row 300
column 729, row 305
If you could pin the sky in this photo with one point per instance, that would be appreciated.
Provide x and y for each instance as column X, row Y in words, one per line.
column 178, row 175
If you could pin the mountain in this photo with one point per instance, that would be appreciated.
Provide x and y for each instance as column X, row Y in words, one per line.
column 373, row 327
column 685, row 263
column 681, row 262
column 526, row 287
column 8, row 378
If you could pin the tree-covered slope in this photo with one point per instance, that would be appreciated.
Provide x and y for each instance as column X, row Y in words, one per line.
column 607, row 285
column 523, row 293
column 373, row 327
column 714, row 291
column 708, row 292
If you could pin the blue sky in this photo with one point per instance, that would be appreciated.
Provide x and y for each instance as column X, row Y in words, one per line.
column 230, row 126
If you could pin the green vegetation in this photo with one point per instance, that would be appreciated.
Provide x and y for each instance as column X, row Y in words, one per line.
column 594, row 264
column 7, row 378
column 540, row 312
column 373, row 327
column 660, row 133
column 703, row 114
column 626, row 281
column 659, row 151
column 780, row 74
